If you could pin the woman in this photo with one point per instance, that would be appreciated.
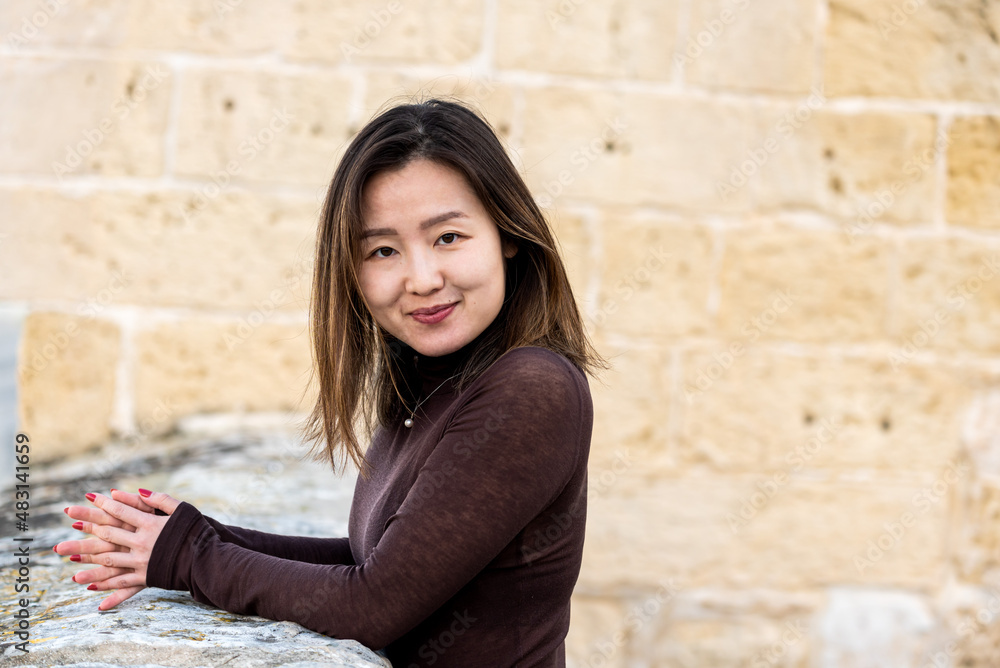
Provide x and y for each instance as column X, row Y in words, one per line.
column 444, row 324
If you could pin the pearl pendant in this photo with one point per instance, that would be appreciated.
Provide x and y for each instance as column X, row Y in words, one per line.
column 408, row 422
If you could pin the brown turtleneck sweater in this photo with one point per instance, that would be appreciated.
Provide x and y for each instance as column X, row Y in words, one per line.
column 465, row 543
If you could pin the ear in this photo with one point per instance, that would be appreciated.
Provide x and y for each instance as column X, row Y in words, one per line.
column 509, row 249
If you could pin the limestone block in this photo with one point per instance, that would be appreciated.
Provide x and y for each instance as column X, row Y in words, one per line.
column 732, row 643
column 419, row 31
column 803, row 285
column 785, row 415
column 68, row 118
column 200, row 366
column 213, row 248
column 815, row 532
column 66, row 381
column 253, row 126
column 925, row 49
column 221, row 27
column 655, row 277
column 736, row 44
column 634, row 149
column 633, row 415
column 633, row 40
column 865, row 169
column 974, row 172
column 949, row 298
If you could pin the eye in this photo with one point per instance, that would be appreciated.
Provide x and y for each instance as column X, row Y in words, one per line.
column 449, row 234
column 378, row 252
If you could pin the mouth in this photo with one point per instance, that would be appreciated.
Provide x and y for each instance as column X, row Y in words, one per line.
column 434, row 313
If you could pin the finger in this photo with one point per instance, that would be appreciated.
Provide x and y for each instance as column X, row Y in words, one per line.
column 95, row 515
column 114, row 536
column 110, row 559
column 98, row 573
column 161, row 500
column 86, row 546
column 119, row 596
column 133, row 500
column 121, row 511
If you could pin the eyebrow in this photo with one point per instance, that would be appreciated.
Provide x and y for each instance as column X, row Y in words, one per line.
column 388, row 231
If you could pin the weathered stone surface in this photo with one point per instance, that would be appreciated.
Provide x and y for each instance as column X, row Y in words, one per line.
column 736, row 44
column 974, row 172
column 432, row 31
column 68, row 118
column 948, row 298
column 807, row 413
column 66, row 381
column 938, row 49
column 649, row 267
column 634, row 39
column 207, row 367
column 222, row 476
column 595, row 624
column 785, row 283
column 219, row 249
column 255, row 126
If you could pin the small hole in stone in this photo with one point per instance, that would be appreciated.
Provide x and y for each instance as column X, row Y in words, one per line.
column 504, row 129
column 886, row 425
column 316, row 129
column 836, row 185
column 228, row 105
column 808, row 418
column 828, row 154
column 609, row 146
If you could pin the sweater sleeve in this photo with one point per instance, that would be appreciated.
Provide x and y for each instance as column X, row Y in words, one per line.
column 310, row 549
column 509, row 450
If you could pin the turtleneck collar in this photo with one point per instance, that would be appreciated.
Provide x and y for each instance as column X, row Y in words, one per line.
column 431, row 372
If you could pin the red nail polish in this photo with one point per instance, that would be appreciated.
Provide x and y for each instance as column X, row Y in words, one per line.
column 92, row 587
column 66, row 510
column 113, row 489
column 78, row 525
column 144, row 492
column 91, row 497
column 73, row 578
column 54, row 549
column 75, row 557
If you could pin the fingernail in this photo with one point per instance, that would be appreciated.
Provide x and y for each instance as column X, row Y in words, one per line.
column 91, row 497
column 73, row 578
column 144, row 492
column 78, row 525
column 66, row 510
column 113, row 489
column 54, row 549
column 75, row 557
column 92, row 587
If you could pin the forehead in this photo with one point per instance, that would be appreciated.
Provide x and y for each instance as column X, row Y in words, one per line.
column 417, row 193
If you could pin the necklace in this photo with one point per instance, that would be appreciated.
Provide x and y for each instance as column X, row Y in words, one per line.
column 408, row 422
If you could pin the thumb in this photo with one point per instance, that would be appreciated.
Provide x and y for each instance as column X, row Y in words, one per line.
column 160, row 501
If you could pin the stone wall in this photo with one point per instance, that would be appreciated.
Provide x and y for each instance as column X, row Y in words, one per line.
column 781, row 218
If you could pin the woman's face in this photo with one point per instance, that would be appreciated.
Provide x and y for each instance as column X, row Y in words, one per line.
column 432, row 266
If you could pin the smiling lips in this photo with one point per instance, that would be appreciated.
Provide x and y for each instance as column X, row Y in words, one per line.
column 434, row 314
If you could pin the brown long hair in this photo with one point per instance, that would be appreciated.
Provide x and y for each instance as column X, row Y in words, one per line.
column 356, row 360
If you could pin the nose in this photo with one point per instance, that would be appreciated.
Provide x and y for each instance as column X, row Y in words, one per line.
column 423, row 273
